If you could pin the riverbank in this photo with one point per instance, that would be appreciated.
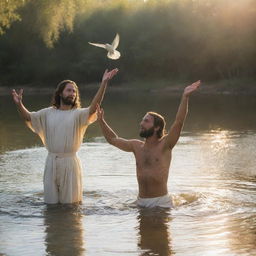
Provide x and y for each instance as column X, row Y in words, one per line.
column 225, row 87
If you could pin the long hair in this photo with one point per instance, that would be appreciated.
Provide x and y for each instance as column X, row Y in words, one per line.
column 158, row 122
column 56, row 100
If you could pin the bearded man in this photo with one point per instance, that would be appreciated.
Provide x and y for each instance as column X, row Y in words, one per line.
column 153, row 155
column 61, row 128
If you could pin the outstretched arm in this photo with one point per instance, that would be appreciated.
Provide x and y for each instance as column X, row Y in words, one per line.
column 175, row 130
column 111, row 136
column 100, row 94
column 17, row 98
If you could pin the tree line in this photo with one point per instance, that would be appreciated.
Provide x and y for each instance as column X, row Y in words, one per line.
column 45, row 41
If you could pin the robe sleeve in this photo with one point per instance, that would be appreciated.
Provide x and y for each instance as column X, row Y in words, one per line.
column 84, row 118
column 38, row 122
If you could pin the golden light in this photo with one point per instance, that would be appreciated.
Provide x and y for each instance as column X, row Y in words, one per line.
column 220, row 139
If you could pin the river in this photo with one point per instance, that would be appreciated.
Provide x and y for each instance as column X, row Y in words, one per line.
column 212, row 181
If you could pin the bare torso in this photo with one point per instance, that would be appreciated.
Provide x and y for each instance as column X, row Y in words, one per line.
column 152, row 164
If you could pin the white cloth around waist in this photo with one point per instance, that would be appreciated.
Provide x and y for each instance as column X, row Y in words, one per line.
column 55, row 157
column 61, row 155
column 161, row 201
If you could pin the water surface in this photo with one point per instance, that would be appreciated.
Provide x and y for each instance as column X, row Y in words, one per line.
column 212, row 181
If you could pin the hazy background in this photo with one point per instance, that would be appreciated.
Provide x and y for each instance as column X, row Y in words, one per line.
column 45, row 41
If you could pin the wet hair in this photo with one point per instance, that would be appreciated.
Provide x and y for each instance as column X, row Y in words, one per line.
column 56, row 99
column 158, row 122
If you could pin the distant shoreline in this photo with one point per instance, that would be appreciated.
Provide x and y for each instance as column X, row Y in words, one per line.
column 236, row 87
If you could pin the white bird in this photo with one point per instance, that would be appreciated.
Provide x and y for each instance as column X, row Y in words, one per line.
column 111, row 48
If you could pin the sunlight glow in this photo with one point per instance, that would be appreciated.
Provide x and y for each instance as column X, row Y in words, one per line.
column 220, row 139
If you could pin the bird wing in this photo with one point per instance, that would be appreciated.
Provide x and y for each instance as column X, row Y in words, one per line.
column 115, row 42
column 114, row 55
column 98, row 45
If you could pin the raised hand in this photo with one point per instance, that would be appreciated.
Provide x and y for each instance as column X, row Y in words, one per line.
column 109, row 74
column 100, row 112
column 17, row 97
column 191, row 88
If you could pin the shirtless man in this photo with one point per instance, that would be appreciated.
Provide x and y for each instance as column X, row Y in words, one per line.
column 153, row 155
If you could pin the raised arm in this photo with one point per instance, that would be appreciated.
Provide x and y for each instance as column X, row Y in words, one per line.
column 100, row 94
column 111, row 136
column 175, row 130
column 17, row 98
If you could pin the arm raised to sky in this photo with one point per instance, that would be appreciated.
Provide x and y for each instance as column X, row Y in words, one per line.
column 108, row 75
column 17, row 98
column 111, row 137
column 175, row 130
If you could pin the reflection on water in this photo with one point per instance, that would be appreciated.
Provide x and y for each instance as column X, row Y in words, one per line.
column 64, row 231
column 241, row 234
column 124, row 112
column 214, row 210
column 154, row 233
column 212, row 180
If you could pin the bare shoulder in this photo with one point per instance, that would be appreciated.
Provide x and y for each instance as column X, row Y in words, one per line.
column 129, row 145
column 164, row 143
column 136, row 143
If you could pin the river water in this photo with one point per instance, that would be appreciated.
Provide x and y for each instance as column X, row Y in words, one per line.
column 212, row 181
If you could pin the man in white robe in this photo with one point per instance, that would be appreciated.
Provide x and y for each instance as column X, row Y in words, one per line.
column 61, row 128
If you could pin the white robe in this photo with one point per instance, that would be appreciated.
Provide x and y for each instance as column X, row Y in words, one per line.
column 62, row 131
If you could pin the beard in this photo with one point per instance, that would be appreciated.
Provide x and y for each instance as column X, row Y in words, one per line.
column 147, row 133
column 67, row 100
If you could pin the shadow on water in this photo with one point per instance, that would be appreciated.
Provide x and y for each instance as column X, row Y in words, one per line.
column 154, row 234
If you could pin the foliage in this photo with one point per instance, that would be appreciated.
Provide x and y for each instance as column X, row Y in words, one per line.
column 165, row 39
column 9, row 13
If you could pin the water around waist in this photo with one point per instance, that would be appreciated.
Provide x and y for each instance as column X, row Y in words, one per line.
column 212, row 182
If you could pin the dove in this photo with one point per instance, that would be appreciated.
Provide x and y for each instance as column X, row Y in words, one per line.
column 111, row 48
